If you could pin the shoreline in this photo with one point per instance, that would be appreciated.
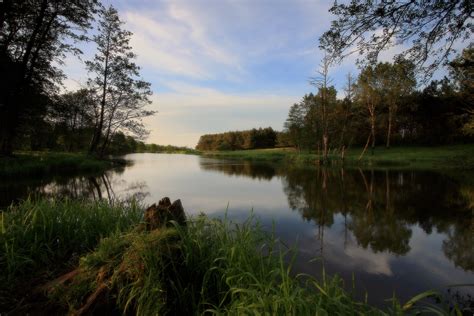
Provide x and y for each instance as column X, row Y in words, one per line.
column 49, row 163
column 454, row 157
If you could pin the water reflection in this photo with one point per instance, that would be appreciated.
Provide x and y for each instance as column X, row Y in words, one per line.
column 380, row 209
column 396, row 231
column 91, row 187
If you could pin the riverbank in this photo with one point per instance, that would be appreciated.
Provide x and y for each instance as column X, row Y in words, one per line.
column 106, row 262
column 47, row 163
column 442, row 157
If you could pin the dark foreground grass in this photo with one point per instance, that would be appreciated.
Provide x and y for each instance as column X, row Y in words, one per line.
column 209, row 267
column 449, row 157
column 41, row 238
column 47, row 163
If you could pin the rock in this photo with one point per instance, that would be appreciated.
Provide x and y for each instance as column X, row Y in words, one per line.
column 160, row 215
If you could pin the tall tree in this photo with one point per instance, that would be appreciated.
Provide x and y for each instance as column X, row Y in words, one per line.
column 34, row 36
column 399, row 82
column 462, row 73
column 347, row 107
column 368, row 94
column 294, row 124
column 428, row 28
column 121, row 95
column 322, row 83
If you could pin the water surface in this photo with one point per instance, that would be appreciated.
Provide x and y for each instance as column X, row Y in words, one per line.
column 391, row 231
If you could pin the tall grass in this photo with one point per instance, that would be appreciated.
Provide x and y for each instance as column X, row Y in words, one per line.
column 38, row 238
column 212, row 267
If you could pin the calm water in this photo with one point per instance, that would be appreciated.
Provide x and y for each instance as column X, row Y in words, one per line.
column 399, row 232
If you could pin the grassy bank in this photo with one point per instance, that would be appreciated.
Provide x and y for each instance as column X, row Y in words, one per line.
column 450, row 157
column 208, row 267
column 47, row 163
column 39, row 239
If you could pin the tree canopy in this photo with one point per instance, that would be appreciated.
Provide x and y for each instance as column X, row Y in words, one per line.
column 427, row 30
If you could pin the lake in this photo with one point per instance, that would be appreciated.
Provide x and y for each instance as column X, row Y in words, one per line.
column 392, row 232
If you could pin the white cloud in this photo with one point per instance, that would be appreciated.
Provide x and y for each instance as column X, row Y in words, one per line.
column 175, row 42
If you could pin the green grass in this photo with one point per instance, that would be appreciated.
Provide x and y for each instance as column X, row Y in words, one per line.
column 47, row 163
column 39, row 238
column 450, row 157
column 211, row 266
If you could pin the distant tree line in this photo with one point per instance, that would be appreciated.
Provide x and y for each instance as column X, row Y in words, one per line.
column 124, row 144
column 237, row 140
column 35, row 37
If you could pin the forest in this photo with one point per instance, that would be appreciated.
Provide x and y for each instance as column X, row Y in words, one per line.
column 384, row 105
column 36, row 112
column 249, row 139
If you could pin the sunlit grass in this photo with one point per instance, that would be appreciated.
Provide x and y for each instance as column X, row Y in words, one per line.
column 454, row 156
column 47, row 163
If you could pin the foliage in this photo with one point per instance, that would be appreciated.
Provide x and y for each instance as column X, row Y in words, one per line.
column 428, row 28
column 34, row 37
column 249, row 139
column 382, row 106
column 121, row 95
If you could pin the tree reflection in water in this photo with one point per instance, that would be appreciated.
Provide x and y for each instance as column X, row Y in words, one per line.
column 380, row 207
column 91, row 187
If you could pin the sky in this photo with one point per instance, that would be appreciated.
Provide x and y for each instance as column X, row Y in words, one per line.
column 220, row 65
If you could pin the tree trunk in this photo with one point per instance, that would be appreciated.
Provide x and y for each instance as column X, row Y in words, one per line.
column 98, row 132
column 389, row 129
column 372, row 131
column 106, row 142
column 342, row 153
column 365, row 147
column 325, row 149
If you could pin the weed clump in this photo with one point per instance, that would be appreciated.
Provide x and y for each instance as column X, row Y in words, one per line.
column 209, row 266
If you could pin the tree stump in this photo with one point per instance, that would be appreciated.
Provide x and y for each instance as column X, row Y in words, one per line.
column 160, row 215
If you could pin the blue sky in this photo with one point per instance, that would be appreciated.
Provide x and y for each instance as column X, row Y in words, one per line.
column 219, row 65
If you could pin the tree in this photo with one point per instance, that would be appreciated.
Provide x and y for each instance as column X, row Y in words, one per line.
column 122, row 96
column 397, row 82
column 429, row 29
column 71, row 114
column 294, row 124
column 462, row 73
column 368, row 96
column 347, row 109
column 322, row 83
column 34, row 35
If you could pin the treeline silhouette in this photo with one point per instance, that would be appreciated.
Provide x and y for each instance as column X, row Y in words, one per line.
column 236, row 140
column 35, row 113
